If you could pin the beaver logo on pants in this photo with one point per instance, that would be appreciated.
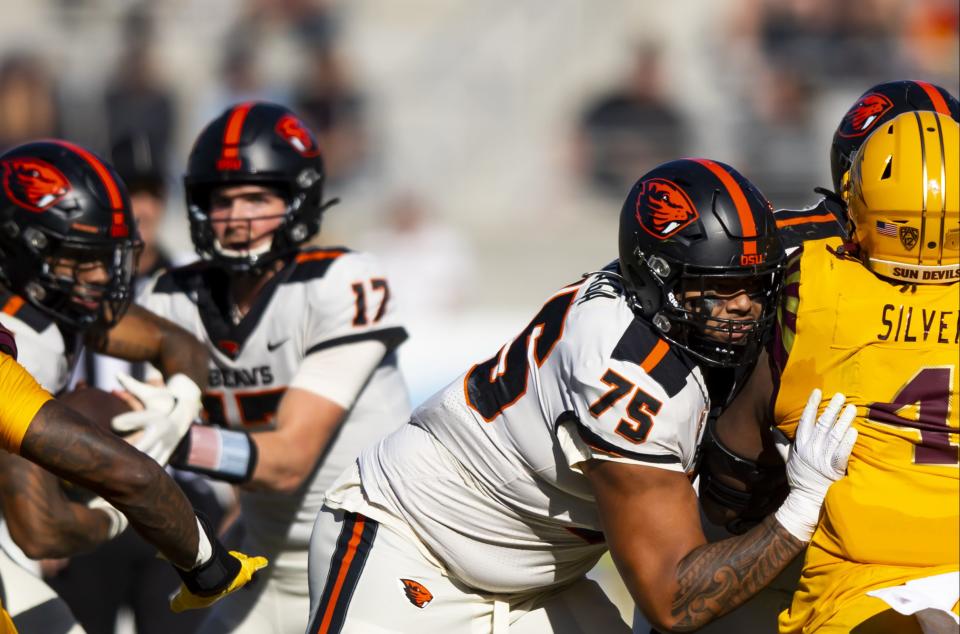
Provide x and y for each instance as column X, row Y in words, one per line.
column 416, row 592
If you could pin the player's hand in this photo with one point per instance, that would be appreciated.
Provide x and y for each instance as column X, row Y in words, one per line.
column 187, row 600
column 817, row 459
column 167, row 414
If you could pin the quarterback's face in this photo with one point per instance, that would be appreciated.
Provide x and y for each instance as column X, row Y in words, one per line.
column 244, row 217
column 726, row 301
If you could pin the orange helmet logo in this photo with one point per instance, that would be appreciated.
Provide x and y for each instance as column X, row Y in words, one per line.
column 861, row 118
column 663, row 208
column 416, row 592
column 296, row 134
column 33, row 184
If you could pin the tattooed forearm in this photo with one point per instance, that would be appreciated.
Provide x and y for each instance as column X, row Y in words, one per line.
column 42, row 520
column 143, row 336
column 716, row 578
column 62, row 442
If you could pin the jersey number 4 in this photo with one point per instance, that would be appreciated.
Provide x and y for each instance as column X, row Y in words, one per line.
column 500, row 381
column 931, row 389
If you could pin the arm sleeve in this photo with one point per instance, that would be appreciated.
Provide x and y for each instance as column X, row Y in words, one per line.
column 22, row 399
column 352, row 302
column 339, row 373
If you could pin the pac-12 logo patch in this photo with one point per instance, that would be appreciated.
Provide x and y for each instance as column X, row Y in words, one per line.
column 296, row 134
column 33, row 184
column 416, row 592
column 663, row 208
column 861, row 118
column 909, row 237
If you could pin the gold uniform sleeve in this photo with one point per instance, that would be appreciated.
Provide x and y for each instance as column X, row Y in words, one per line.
column 22, row 399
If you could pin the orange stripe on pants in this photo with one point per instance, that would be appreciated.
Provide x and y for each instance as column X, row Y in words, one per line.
column 342, row 574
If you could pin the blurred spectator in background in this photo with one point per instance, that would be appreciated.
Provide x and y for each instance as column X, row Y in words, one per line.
column 240, row 79
column 334, row 109
column 269, row 39
column 630, row 129
column 28, row 104
column 929, row 38
column 430, row 263
column 823, row 40
column 779, row 136
column 308, row 23
column 136, row 101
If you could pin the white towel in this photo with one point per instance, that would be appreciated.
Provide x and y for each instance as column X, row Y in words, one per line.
column 931, row 599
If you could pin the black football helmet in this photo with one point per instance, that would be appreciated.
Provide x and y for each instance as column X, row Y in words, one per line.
column 62, row 210
column 696, row 225
column 882, row 103
column 263, row 144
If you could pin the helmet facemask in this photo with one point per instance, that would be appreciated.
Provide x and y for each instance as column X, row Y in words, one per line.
column 84, row 285
column 692, row 302
column 237, row 258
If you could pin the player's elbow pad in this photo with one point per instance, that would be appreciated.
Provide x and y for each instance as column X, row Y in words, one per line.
column 763, row 486
column 223, row 454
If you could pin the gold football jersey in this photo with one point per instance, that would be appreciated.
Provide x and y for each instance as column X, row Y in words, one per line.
column 893, row 350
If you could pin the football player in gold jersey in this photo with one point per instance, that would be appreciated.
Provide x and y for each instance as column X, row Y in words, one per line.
column 876, row 319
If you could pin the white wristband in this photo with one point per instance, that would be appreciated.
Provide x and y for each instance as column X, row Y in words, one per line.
column 118, row 521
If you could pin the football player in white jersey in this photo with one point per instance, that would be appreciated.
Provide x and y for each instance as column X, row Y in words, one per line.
column 302, row 372
column 581, row 434
column 68, row 248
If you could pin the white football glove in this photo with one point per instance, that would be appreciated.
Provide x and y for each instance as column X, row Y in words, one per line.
column 817, row 459
column 168, row 412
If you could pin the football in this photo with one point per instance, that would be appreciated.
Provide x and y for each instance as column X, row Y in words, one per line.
column 96, row 405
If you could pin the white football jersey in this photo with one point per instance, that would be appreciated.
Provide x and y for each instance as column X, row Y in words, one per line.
column 43, row 350
column 494, row 488
column 324, row 298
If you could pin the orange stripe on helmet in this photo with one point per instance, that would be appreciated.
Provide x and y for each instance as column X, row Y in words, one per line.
column 118, row 228
column 939, row 103
column 113, row 190
column 230, row 154
column 747, row 224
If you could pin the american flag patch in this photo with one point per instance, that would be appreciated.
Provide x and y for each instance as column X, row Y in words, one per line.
column 888, row 229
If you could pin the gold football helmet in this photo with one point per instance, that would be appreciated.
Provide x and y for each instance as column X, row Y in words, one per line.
column 903, row 199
